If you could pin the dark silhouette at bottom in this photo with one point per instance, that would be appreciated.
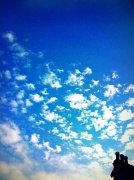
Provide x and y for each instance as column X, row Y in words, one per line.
column 122, row 169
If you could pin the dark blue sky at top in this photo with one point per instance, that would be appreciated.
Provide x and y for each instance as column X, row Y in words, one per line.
column 94, row 33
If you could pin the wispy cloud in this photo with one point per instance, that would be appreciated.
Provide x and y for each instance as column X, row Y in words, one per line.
column 10, row 36
column 21, row 77
column 52, row 80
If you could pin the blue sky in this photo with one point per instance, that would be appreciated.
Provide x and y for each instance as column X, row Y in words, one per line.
column 67, row 88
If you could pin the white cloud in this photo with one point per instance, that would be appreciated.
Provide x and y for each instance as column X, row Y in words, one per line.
column 130, row 125
column 78, row 141
column 87, row 71
column 107, row 112
column 75, row 79
column 8, row 74
column 93, row 98
column 85, row 135
column 129, row 146
column 110, row 131
column 52, row 80
column 31, row 118
column 77, row 101
column 95, row 82
column 36, row 97
column 30, row 86
column 21, row 77
column 111, row 91
column 19, row 50
column 129, row 88
column 88, row 127
column 28, row 102
column 35, row 138
column 73, row 134
column 20, row 94
column 55, row 130
column 9, row 134
column 9, row 36
column 86, row 150
column 14, row 103
column 60, row 107
column 50, row 149
column 127, row 135
column 98, row 151
column 58, row 149
column 130, row 102
column 63, row 136
column 126, row 115
column 115, row 75
column 99, row 123
column 52, row 99
column 11, row 171
column 106, row 78
column 50, row 116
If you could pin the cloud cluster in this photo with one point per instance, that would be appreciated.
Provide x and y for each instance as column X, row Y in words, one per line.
column 61, row 123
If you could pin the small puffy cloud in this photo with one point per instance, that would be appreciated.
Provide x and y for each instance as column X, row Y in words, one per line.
column 51, row 116
column 35, row 138
column 28, row 102
column 52, row 99
column 85, row 135
column 14, row 103
column 107, row 113
column 20, row 94
column 130, row 88
column 63, row 136
column 93, row 98
column 58, row 149
column 111, row 90
column 88, row 127
column 8, row 74
column 21, row 78
column 78, row 141
column 73, row 134
column 87, row 71
column 30, row 86
column 130, row 102
column 115, row 75
column 9, row 36
column 36, row 97
column 55, row 130
column 52, row 80
column 95, row 82
column 126, row 115
column 31, row 118
column 77, row 101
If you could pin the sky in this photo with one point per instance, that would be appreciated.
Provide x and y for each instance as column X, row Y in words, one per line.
column 66, row 88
